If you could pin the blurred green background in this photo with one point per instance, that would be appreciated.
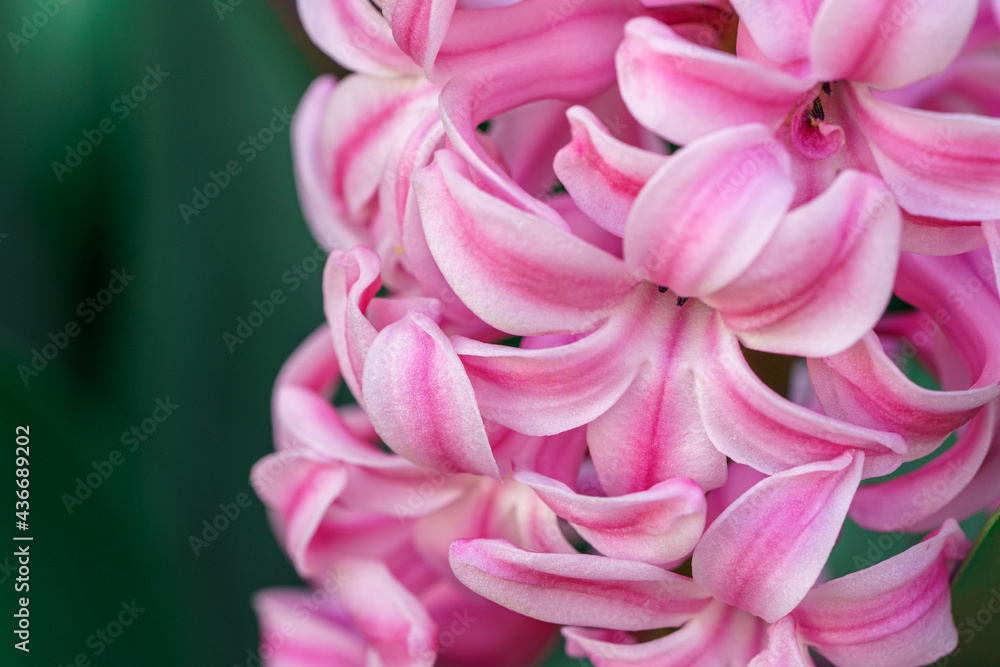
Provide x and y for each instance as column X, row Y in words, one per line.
column 221, row 75
column 224, row 68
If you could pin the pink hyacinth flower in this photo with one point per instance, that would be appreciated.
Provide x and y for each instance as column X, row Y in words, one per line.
column 809, row 72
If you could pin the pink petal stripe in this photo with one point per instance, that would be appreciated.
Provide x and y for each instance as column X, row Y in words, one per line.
column 683, row 91
column 936, row 164
column 518, row 272
column 353, row 33
column 753, row 425
column 784, row 649
column 576, row 589
column 719, row 635
column 421, row 402
column 888, row 43
column 896, row 612
column 350, row 280
column 906, row 502
column 863, row 386
column 700, row 220
column 601, row 173
column 656, row 526
column 767, row 549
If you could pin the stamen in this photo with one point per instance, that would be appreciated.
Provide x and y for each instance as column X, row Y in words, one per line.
column 827, row 88
column 681, row 300
column 817, row 111
column 662, row 289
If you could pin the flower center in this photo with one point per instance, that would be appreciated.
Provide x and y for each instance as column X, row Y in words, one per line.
column 812, row 134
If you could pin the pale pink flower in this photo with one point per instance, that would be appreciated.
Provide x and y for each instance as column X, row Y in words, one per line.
column 470, row 473
column 809, row 72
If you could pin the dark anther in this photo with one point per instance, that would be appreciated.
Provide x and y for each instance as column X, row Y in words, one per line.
column 662, row 288
column 817, row 111
column 681, row 300
column 826, row 87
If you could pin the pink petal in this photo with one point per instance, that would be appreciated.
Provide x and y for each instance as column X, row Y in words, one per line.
column 528, row 138
column 419, row 28
column 325, row 216
column 601, row 173
column 753, row 425
column 933, row 236
column 655, row 431
column 897, row 612
column 863, row 386
column 396, row 625
column 979, row 494
column 519, row 273
column 314, row 426
column 576, row 589
column 481, row 633
column 378, row 482
column 705, row 215
column 551, row 390
column 907, row 502
column 767, row 549
column 421, row 402
column 656, row 526
column 365, row 118
column 557, row 456
column 581, row 226
column 353, row 33
column 683, row 91
column 780, row 28
column 313, row 365
column 508, row 511
column 739, row 480
column 301, row 630
column 299, row 492
column 784, row 649
column 719, row 635
column 824, row 278
column 938, row 165
column 958, row 295
column 575, row 45
column 888, row 43
column 350, row 280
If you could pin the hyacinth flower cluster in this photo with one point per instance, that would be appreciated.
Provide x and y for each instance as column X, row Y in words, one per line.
column 558, row 229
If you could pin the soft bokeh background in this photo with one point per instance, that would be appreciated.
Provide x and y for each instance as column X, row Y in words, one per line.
column 162, row 336
column 230, row 64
